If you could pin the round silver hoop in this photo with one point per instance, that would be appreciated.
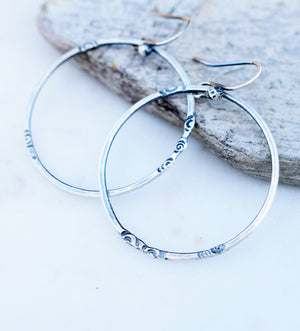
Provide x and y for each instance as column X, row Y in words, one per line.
column 143, row 48
column 136, row 242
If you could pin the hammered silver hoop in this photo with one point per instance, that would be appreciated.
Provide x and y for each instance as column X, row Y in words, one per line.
column 139, row 244
column 144, row 48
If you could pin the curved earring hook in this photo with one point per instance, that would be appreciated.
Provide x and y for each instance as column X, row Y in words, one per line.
column 229, row 64
column 176, row 35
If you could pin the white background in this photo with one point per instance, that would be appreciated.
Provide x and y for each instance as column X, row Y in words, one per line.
column 62, row 265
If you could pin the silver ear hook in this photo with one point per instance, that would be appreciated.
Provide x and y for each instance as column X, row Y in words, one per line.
column 229, row 64
column 166, row 41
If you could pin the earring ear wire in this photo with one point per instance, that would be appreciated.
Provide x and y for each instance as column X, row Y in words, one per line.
column 229, row 64
column 176, row 35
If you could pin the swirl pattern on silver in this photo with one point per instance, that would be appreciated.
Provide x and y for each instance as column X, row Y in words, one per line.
column 166, row 165
column 179, row 148
column 137, row 243
column 29, row 144
column 211, row 252
column 189, row 123
column 181, row 145
column 167, row 91
column 88, row 46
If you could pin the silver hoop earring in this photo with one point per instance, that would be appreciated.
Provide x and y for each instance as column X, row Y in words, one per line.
column 144, row 46
column 202, row 90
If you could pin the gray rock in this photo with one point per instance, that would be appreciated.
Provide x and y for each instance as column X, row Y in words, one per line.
column 222, row 30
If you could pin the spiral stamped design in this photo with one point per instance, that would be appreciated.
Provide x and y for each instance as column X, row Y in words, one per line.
column 218, row 249
column 29, row 144
column 166, row 165
column 167, row 91
column 137, row 243
column 88, row 46
column 181, row 145
column 211, row 252
column 189, row 123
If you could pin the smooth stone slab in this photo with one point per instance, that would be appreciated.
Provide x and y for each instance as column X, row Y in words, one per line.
column 222, row 30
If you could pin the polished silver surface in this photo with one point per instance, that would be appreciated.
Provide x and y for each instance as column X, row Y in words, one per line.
column 139, row 44
column 231, row 64
column 128, row 236
column 186, row 20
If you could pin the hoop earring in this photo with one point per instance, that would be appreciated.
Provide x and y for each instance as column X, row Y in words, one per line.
column 144, row 47
column 201, row 90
